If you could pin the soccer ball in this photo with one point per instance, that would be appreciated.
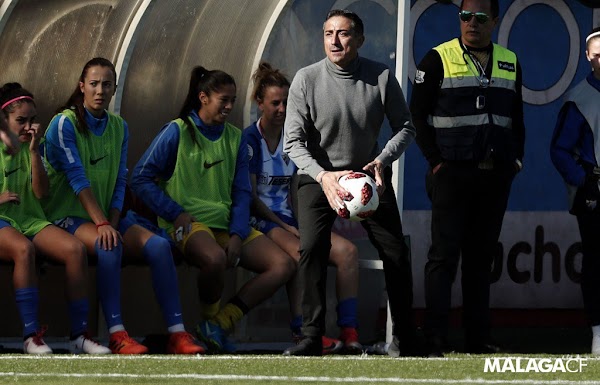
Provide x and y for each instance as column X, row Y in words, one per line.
column 363, row 199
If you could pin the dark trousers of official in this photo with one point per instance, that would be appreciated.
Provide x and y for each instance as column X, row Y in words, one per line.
column 315, row 220
column 589, row 224
column 468, row 206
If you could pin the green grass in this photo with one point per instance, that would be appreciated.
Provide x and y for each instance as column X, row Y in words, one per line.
column 274, row 369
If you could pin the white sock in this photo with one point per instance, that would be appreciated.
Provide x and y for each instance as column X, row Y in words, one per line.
column 116, row 328
column 596, row 344
column 596, row 330
column 176, row 328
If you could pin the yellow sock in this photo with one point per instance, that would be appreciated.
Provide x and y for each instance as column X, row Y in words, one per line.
column 209, row 310
column 228, row 316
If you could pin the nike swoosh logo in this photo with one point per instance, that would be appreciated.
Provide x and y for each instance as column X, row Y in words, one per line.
column 29, row 324
column 115, row 315
column 94, row 161
column 177, row 314
column 7, row 173
column 209, row 165
column 209, row 332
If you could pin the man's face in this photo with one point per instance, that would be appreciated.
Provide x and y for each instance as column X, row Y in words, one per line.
column 474, row 33
column 341, row 41
column 593, row 55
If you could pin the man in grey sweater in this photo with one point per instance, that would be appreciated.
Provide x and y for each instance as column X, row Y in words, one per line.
column 334, row 114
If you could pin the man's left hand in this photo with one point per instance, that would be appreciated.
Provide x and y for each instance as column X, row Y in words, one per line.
column 376, row 168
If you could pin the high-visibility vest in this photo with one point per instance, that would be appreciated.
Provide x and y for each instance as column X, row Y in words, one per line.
column 474, row 122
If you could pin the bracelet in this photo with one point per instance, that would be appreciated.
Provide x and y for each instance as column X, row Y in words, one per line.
column 105, row 223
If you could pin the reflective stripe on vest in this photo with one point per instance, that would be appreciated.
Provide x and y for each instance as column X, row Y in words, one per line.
column 470, row 120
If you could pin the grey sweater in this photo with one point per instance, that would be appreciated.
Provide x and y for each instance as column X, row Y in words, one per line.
column 334, row 116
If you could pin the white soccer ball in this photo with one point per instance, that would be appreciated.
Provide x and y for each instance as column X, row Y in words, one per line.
column 363, row 199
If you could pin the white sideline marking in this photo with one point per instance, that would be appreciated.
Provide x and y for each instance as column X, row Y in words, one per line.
column 226, row 377
column 159, row 357
column 260, row 357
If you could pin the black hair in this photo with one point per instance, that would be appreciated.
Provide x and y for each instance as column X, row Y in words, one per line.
column 11, row 91
column 355, row 22
column 202, row 80
column 494, row 5
column 266, row 76
column 75, row 101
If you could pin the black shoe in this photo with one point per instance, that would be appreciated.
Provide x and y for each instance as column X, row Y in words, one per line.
column 484, row 348
column 407, row 346
column 434, row 352
column 435, row 347
column 308, row 346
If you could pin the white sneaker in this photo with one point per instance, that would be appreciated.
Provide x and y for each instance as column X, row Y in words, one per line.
column 36, row 345
column 596, row 345
column 84, row 344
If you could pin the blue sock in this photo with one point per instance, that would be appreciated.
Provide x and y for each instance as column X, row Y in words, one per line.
column 78, row 315
column 157, row 252
column 346, row 311
column 28, row 300
column 108, row 283
column 296, row 325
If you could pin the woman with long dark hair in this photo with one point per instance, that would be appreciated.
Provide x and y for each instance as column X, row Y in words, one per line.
column 203, row 201
column 86, row 152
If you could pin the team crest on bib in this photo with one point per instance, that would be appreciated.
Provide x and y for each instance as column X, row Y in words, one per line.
column 285, row 158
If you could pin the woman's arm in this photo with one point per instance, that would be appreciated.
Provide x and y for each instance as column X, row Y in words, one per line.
column 158, row 163
column 116, row 203
column 62, row 153
column 39, row 178
column 241, row 194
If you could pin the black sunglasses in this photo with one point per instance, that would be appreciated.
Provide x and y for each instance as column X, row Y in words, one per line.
column 481, row 17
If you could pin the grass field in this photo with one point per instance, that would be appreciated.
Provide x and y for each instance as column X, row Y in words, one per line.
column 264, row 364
column 62, row 369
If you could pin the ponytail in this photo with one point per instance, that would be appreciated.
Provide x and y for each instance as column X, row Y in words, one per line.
column 75, row 101
column 202, row 80
column 264, row 77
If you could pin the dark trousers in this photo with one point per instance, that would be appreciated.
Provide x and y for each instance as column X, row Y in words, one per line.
column 468, row 206
column 315, row 220
column 589, row 223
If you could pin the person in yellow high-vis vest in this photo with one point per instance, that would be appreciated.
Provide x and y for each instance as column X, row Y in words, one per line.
column 468, row 110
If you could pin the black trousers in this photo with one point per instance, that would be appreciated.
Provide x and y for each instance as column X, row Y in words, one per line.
column 315, row 220
column 468, row 206
column 589, row 223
